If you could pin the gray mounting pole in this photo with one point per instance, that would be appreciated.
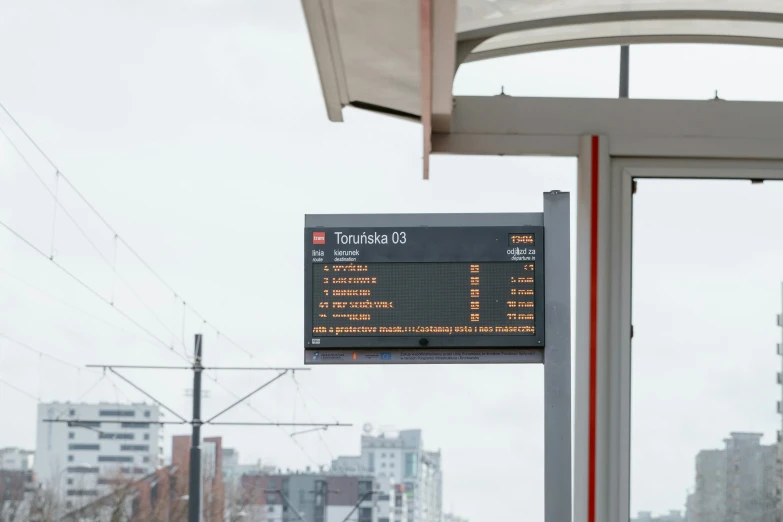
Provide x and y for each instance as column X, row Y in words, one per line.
column 557, row 357
column 625, row 70
column 194, row 499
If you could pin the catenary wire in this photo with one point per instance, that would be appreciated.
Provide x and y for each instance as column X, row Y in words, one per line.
column 43, row 354
column 259, row 413
column 310, row 416
column 83, row 284
column 116, row 234
column 76, row 308
column 14, row 387
column 82, row 231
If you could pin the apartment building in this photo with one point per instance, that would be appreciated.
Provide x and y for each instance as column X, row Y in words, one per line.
column 97, row 445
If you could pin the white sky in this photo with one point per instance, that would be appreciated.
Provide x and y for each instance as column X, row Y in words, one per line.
column 198, row 131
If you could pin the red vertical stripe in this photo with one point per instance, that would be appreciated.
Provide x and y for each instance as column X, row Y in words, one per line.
column 425, row 44
column 593, row 330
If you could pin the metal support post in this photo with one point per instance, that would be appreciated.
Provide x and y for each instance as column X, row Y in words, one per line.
column 194, row 499
column 557, row 358
column 625, row 70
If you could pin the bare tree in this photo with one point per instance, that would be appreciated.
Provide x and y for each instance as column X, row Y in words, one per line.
column 44, row 505
column 12, row 495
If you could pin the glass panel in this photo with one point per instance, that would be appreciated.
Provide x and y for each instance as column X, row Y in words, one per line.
column 552, row 74
column 708, row 262
column 671, row 31
column 476, row 14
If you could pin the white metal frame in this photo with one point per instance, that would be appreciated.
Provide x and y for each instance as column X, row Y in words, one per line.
column 615, row 141
column 612, row 385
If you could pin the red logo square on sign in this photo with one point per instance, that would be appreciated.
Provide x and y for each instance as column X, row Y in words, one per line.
column 319, row 238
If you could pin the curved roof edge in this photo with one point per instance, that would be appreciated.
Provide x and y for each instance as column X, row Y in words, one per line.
column 379, row 55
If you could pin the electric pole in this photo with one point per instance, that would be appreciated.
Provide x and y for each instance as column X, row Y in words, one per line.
column 196, row 421
column 194, row 498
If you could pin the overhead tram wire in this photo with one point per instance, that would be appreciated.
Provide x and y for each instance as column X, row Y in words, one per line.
column 74, row 307
column 14, row 387
column 64, row 362
column 95, row 247
column 260, row 414
column 44, row 354
column 84, row 285
column 117, row 236
column 310, row 416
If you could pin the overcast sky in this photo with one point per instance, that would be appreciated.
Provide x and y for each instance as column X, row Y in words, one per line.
column 198, row 130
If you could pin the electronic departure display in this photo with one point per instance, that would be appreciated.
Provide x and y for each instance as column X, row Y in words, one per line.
column 428, row 286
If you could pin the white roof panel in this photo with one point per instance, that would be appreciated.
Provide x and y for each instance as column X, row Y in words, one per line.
column 369, row 52
column 644, row 31
column 474, row 16
column 379, row 42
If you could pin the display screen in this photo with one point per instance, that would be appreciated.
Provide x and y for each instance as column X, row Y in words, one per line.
column 430, row 286
column 423, row 299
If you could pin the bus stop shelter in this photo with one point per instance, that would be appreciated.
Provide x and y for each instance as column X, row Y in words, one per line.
column 399, row 57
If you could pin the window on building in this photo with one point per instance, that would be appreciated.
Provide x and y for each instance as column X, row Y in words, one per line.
column 84, row 424
column 135, row 424
column 89, row 447
column 71, row 434
column 410, row 465
column 365, row 514
column 114, row 458
column 116, row 436
column 147, row 413
column 271, row 498
column 146, row 436
column 81, row 492
column 135, row 447
column 383, row 464
column 116, row 413
column 82, row 469
column 70, row 458
column 371, row 463
column 71, row 412
column 146, row 459
column 70, row 481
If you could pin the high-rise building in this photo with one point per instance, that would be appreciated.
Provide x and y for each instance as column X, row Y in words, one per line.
column 737, row 483
column 709, row 497
column 750, row 479
column 392, row 502
column 401, row 458
column 99, row 444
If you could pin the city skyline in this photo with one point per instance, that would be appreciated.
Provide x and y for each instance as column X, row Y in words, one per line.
column 100, row 458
